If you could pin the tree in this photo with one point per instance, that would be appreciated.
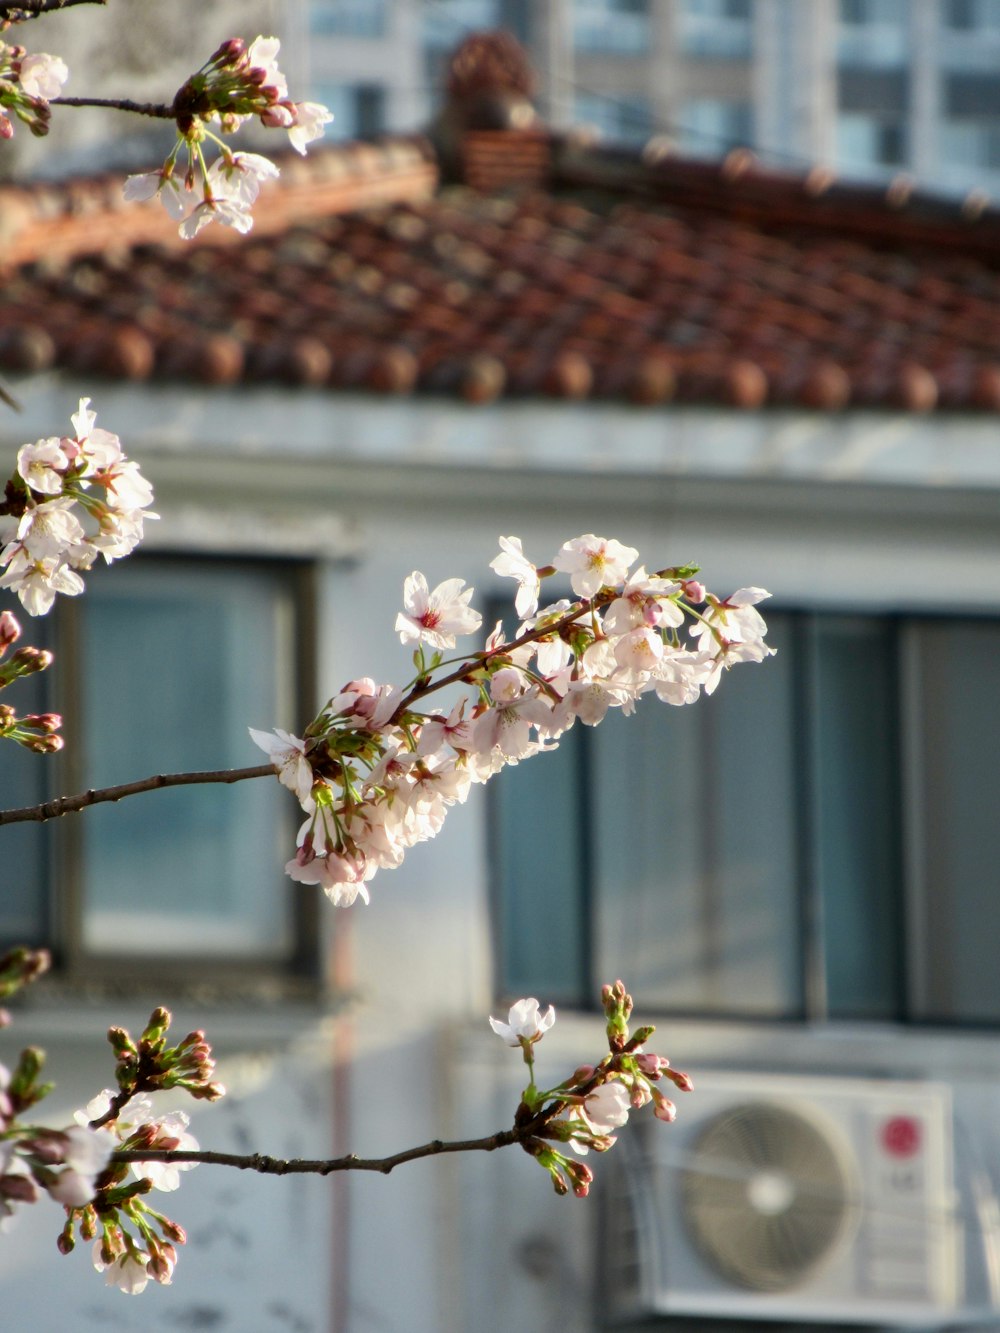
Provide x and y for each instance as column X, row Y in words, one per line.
column 375, row 771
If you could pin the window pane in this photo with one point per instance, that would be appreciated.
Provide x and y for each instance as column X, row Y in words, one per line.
column 176, row 661
column 954, row 724
column 541, row 873
column 695, row 872
column 857, row 815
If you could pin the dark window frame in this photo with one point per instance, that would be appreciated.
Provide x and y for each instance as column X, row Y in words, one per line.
column 300, row 973
column 908, row 979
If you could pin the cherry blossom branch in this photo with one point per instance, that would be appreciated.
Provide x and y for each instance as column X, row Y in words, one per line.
column 158, row 109
column 65, row 805
column 31, row 9
column 277, row 1166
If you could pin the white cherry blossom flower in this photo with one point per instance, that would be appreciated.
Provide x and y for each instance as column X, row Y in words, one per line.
column 42, row 75
column 42, row 466
column 86, row 1155
column 128, row 1272
column 262, row 54
column 288, row 755
column 524, row 1022
column 165, row 185
column 513, row 563
column 49, row 529
column 310, row 118
column 239, row 176
column 36, row 582
column 603, row 1110
column 436, row 617
column 594, row 563
column 230, row 212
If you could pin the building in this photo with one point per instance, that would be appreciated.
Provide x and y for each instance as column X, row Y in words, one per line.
column 871, row 88
column 424, row 344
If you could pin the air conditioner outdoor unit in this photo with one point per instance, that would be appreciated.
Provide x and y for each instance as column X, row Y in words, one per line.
column 792, row 1198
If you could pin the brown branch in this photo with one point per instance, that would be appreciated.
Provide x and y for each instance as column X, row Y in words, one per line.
column 277, row 1166
column 32, row 9
column 65, row 805
column 158, row 109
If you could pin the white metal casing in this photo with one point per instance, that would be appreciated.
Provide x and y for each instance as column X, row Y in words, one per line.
column 897, row 1256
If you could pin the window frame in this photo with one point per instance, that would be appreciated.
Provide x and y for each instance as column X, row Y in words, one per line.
column 913, row 964
column 299, row 974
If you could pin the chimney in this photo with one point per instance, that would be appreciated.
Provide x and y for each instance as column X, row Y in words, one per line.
column 489, row 135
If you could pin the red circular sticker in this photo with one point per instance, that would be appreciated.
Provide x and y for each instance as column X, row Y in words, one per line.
column 901, row 1136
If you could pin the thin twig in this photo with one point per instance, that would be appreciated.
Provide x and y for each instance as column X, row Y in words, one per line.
column 158, row 109
column 31, row 9
column 277, row 1166
column 65, row 805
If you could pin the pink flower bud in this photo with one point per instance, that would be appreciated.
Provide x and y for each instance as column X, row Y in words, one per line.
column 663, row 1108
column 582, row 1074
column 682, row 1082
column 694, row 591
column 10, row 631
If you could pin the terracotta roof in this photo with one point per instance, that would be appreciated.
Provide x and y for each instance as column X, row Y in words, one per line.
column 549, row 267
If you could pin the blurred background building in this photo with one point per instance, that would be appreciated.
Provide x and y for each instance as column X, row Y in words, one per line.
column 870, row 87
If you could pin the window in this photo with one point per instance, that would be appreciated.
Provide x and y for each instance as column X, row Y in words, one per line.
column 619, row 27
column 358, row 110
column 710, row 127
column 866, row 142
column 161, row 665
column 349, row 18
column 814, row 840
column 619, row 119
column 447, row 22
column 716, row 29
column 873, row 32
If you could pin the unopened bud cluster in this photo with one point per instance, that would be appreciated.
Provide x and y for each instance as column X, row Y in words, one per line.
column 238, row 82
column 150, row 1065
column 375, row 774
column 582, row 1112
column 35, row 731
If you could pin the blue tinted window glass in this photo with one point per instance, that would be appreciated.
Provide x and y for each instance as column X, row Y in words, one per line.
column 176, row 660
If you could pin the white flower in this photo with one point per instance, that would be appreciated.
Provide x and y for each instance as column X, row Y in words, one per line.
column 603, row 1110
column 512, row 563
column 288, row 755
column 310, row 117
column 127, row 1272
column 524, row 1022
column 340, row 876
column 86, row 1156
column 594, row 563
column 49, row 529
column 238, row 177
column 42, row 75
column 262, row 54
column 436, row 617
column 36, row 582
column 230, row 212
column 42, row 464
column 173, row 194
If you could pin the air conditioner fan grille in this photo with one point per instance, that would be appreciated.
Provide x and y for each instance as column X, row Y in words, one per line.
column 767, row 1196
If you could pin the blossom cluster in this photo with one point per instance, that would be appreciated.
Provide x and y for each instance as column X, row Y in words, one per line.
column 27, row 81
column 375, row 774
column 97, row 1168
column 237, row 83
column 71, row 499
column 583, row 1112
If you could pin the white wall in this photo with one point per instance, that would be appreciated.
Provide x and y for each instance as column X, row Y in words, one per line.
column 875, row 510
